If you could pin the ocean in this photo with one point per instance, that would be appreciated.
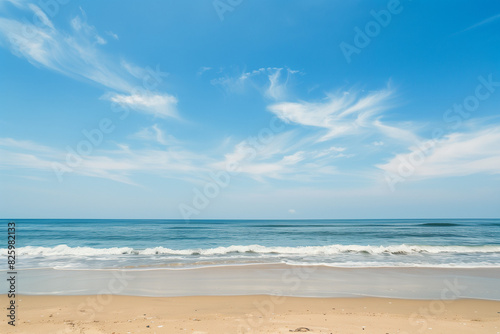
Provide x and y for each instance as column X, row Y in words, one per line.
column 176, row 244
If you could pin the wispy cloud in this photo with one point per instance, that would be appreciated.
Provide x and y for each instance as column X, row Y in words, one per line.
column 483, row 22
column 458, row 154
column 304, row 153
column 285, row 157
column 80, row 26
column 270, row 81
column 120, row 164
column 112, row 35
column 78, row 53
column 23, row 145
column 156, row 104
column 335, row 151
column 154, row 133
column 343, row 114
column 277, row 89
column 203, row 70
column 74, row 55
column 25, row 155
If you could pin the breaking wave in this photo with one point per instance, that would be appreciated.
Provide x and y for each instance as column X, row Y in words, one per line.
column 64, row 250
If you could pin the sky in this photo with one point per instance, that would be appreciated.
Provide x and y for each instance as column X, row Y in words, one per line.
column 237, row 109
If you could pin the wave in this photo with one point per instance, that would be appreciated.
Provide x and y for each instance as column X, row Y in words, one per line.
column 64, row 250
column 440, row 224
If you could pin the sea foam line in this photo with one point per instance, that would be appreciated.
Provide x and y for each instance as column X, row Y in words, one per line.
column 64, row 250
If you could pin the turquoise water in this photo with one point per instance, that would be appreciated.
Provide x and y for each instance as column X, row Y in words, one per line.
column 99, row 244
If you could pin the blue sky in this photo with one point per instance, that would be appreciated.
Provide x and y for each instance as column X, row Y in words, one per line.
column 238, row 109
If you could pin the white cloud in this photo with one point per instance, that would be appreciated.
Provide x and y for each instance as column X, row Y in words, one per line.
column 78, row 54
column 23, row 145
column 342, row 114
column 330, row 152
column 457, row 154
column 269, row 81
column 41, row 16
column 483, row 22
column 257, row 161
column 16, row 160
column 204, row 69
column 155, row 104
column 398, row 133
column 72, row 55
column 277, row 89
column 339, row 115
column 154, row 133
column 284, row 157
column 25, row 154
column 293, row 158
column 119, row 165
column 112, row 35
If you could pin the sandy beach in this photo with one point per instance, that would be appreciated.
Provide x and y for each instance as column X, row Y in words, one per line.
column 239, row 167
column 249, row 314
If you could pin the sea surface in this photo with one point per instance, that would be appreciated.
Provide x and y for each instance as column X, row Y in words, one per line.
column 177, row 244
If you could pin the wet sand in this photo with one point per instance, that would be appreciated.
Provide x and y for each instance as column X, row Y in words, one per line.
column 272, row 279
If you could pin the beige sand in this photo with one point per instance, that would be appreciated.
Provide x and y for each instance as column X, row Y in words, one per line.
column 249, row 314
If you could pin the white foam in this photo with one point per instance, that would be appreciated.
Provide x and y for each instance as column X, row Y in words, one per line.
column 64, row 250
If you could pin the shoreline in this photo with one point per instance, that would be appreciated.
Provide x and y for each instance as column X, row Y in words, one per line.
column 99, row 314
column 262, row 264
column 282, row 280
